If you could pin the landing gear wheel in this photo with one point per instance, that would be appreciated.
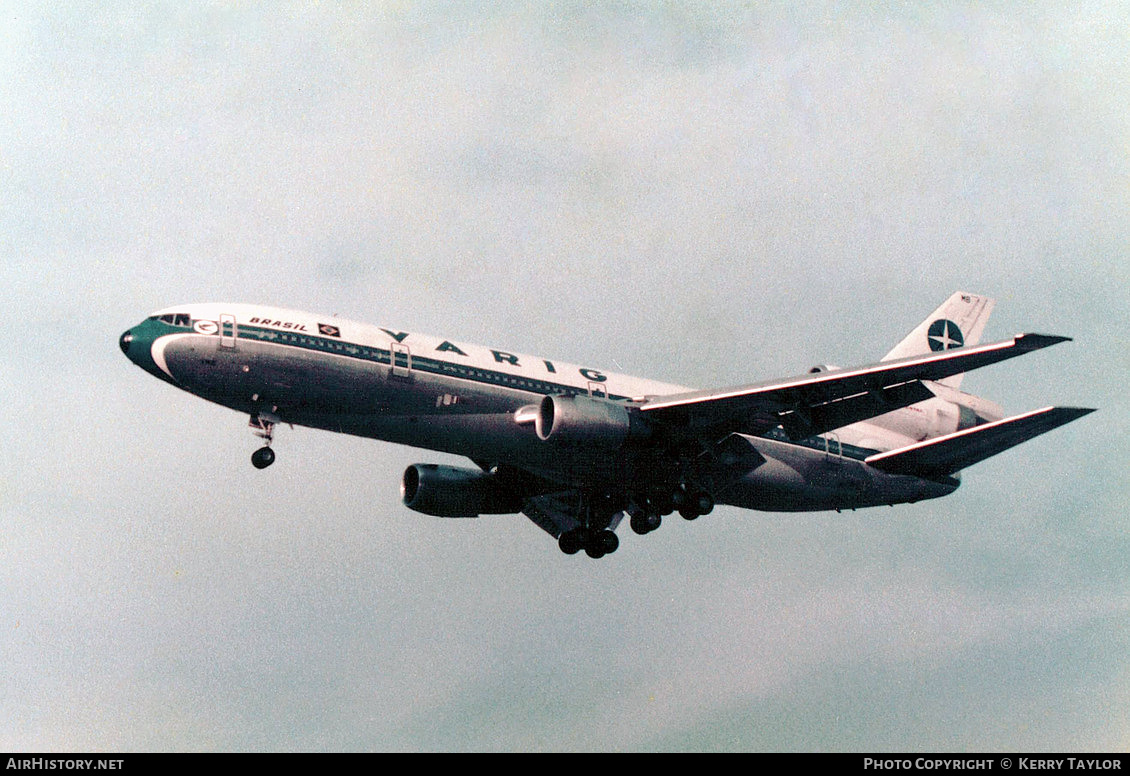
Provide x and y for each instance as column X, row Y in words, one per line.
column 608, row 541
column 678, row 498
column 695, row 504
column 639, row 523
column 659, row 501
column 262, row 426
column 702, row 502
column 601, row 543
column 262, row 458
column 643, row 522
column 571, row 542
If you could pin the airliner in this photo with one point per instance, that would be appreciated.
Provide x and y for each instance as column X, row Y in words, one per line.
column 577, row 449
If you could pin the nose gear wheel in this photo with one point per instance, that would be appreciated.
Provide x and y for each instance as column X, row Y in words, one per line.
column 261, row 427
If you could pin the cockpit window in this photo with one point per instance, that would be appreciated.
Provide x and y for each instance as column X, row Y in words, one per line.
column 175, row 319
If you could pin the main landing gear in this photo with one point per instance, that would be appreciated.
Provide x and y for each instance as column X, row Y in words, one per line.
column 261, row 427
column 594, row 535
column 693, row 504
column 645, row 511
column 650, row 508
column 596, row 543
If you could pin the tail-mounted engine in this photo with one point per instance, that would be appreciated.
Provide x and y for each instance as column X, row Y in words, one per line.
column 586, row 420
column 449, row 491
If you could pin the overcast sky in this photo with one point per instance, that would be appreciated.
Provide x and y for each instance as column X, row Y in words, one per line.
column 702, row 193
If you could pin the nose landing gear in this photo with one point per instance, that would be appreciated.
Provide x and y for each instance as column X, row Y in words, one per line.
column 264, row 428
column 262, row 458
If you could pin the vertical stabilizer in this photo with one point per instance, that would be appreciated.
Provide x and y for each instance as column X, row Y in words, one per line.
column 958, row 322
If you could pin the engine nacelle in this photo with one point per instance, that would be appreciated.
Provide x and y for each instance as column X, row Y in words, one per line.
column 449, row 491
column 587, row 420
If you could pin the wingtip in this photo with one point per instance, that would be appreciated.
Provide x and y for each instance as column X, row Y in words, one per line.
column 1060, row 416
column 1031, row 341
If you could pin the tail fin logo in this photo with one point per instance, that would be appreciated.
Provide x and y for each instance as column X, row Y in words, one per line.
column 944, row 335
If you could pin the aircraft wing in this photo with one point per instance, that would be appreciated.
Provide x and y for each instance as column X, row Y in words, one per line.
column 813, row 403
column 948, row 454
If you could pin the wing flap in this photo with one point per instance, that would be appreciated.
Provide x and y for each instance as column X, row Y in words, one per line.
column 813, row 398
column 800, row 424
column 945, row 455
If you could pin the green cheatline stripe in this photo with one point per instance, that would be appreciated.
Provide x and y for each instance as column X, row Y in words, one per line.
column 348, row 349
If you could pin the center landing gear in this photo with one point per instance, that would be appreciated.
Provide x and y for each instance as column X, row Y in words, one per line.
column 645, row 522
column 693, row 503
column 261, row 427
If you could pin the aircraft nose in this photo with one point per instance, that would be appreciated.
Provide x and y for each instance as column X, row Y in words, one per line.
column 124, row 341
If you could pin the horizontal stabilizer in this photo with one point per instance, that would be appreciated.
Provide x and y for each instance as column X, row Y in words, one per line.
column 953, row 452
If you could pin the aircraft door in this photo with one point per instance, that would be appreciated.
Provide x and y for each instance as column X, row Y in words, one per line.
column 229, row 331
column 400, row 360
column 828, row 472
column 833, row 452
